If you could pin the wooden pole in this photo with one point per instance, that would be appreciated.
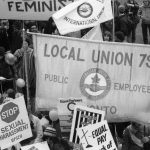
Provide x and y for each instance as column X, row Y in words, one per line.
column 113, row 21
column 26, row 68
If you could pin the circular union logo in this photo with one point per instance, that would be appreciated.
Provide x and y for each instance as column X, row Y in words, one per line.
column 85, row 10
column 95, row 84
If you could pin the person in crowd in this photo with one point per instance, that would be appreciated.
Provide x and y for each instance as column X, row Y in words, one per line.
column 107, row 36
column 36, row 128
column 55, row 143
column 107, row 26
column 49, row 135
column 122, row 23
column 51, row 28
column 6, row 72
column 134, row 137
column 145, row 16
column 15, row 35
column 4, row 39
column 119, row 36
column 20, row 67
column 132, row 8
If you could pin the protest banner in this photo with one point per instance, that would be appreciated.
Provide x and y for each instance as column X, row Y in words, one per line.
column 14, row 123
column 112, row 77
column 36, row 146
column 94, row 34
column 30, row 9
column 96, row 137
column 65, row 109
column 82, row 14
column 84, row 116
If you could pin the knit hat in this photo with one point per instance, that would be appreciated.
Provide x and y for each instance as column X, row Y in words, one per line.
column 2, row 51
column 121, row 8
column 49, row 131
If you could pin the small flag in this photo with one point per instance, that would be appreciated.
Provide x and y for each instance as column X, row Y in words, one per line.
column 94, row 34
column 82, row 14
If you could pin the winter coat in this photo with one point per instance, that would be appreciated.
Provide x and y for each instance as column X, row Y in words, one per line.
column 122, row 23
column 145, row 14
column 128, row 143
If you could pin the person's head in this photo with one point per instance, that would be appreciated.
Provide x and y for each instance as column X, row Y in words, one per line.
column 136, row 126
column 131, row 1
column 4, row 24
column 121, row 9
column 2, row 52
column 119, row 36
column 146, row 3
column 34, row 29
column 11, row 93
column 107, row 36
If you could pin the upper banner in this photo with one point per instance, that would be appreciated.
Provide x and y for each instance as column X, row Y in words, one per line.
column 30, row 9
column 109, row 76
column 82, row 14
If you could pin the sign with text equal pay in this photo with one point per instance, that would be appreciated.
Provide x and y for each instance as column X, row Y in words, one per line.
column 112, row 77
column 96, row 137
column 14, row 123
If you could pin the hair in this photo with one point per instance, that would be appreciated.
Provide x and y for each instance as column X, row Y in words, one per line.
column 50, row 28
column 11, row 93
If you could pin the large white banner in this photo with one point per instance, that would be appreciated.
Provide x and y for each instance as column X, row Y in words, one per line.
column 14, row 123
column 82, row 14
column 30, row 9
column 110, row 76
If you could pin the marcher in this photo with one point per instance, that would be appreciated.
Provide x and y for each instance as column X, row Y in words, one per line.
column 20, row 67
column 145, row 16
column 131, row 8
column 122, row 23
column 107, row 36
column 6, row 71
column 132, row 137
column 36, row 128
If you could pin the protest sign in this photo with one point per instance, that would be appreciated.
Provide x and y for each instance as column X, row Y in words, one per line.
column 14, row 123
column 30, row 9
column 82, row 14
column 111, row 76
column 96, row 137
column 36, row 146
column 84, row 116
column 65, row 111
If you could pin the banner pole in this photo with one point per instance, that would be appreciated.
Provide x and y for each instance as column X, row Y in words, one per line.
column 113, row 20
column 26, row 70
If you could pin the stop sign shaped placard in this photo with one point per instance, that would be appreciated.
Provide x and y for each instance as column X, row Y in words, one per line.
column 9, row 112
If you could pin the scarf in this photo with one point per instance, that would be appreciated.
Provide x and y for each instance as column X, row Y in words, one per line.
column 135, row 139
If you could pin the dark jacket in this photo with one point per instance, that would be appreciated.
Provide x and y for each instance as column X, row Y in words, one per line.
column 128, row 143
column 122, row 23
column 6, row 71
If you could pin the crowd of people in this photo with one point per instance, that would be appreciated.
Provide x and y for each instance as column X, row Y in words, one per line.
column 131, row 135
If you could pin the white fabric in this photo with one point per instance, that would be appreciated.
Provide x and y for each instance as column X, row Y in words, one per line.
column 82, row 14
